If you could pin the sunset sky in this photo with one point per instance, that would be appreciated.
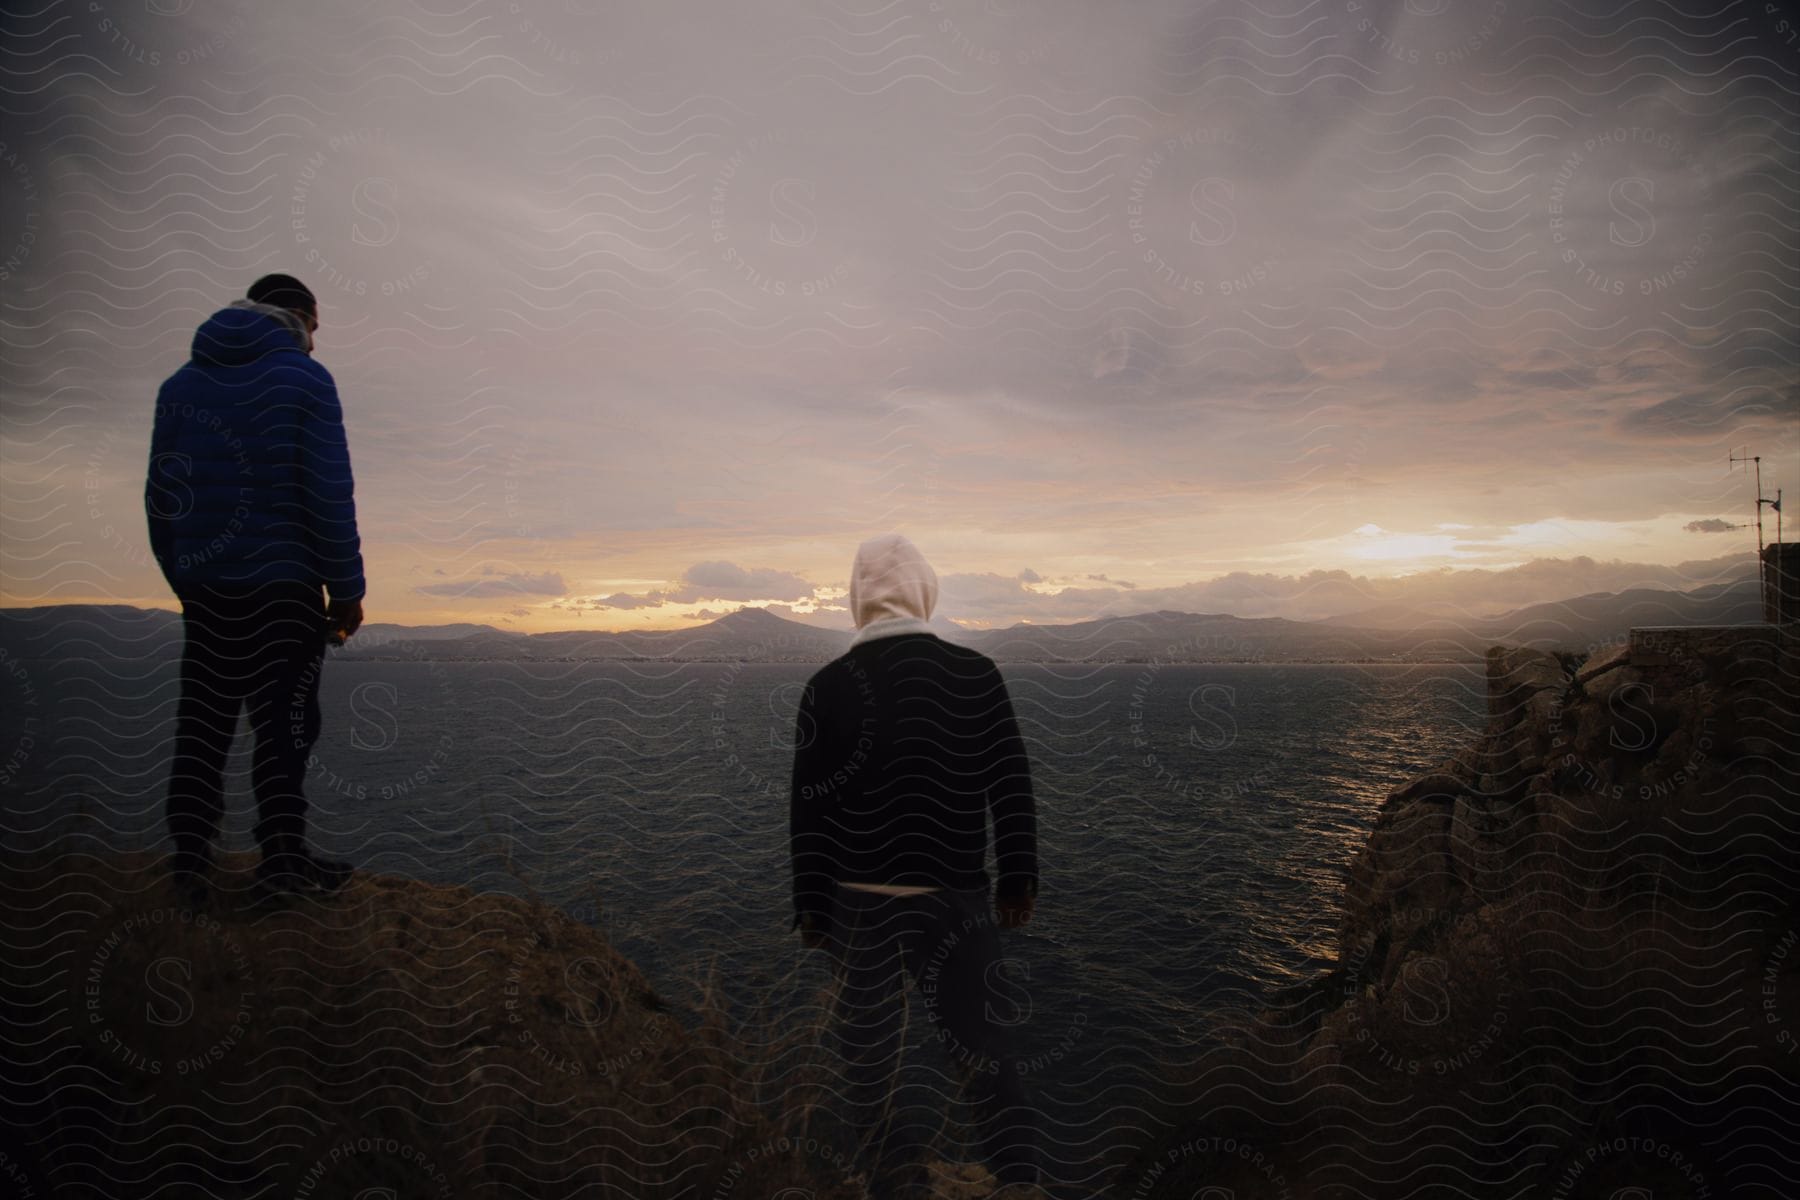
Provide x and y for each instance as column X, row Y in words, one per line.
column 641, row 313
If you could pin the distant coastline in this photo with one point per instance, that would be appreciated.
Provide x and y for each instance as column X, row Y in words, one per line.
column 1472, row 660
column 756, row 635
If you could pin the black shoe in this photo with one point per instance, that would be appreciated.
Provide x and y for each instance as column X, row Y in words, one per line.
column 301, row 871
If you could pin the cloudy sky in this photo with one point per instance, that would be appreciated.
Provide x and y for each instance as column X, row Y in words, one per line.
column 641, row 313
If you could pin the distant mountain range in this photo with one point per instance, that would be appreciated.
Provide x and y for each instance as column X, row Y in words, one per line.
column 1389, row 634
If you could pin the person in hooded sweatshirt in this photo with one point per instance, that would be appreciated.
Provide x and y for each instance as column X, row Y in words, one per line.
column 907, row 750
column 252, row 518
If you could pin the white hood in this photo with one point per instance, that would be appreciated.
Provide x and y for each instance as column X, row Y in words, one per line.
column 892, row 588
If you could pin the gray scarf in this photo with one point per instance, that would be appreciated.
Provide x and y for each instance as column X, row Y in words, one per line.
column 286, row 316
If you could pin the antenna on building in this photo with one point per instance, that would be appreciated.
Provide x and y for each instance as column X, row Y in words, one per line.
column 1779, row 550
column 1762, row 567
column 1734, row 458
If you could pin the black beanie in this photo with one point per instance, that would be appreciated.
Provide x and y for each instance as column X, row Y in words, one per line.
column 284, row 291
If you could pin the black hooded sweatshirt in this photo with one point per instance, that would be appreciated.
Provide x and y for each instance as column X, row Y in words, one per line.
column 906, row 748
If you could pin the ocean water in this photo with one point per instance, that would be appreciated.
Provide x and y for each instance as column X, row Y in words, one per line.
column 1195, row 823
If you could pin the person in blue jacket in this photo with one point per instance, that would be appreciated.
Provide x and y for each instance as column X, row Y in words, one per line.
column 252, row 518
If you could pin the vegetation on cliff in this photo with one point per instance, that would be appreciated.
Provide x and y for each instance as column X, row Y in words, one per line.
column 1568, row 961
column 1569, row 964
column 429, row 1040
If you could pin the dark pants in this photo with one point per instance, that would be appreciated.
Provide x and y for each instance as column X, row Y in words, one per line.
column 261, row 649
column 947, row 943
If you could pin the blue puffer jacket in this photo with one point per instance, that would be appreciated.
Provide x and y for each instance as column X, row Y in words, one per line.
column 249, row 477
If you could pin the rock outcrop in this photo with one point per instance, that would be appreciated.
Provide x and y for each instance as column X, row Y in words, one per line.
column 1569, row 960
column 398, row 1038
column 1584, row 756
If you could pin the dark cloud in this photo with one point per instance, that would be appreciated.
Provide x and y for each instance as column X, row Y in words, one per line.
column 491, row 584
column 1711, row 414
column 716, row 580
column 626, row 287
column 1710, row 525
column 1315, row 594
column 728, row 581
column 627, row 600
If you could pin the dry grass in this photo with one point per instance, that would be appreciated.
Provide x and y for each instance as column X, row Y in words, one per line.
column 430, row 1040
